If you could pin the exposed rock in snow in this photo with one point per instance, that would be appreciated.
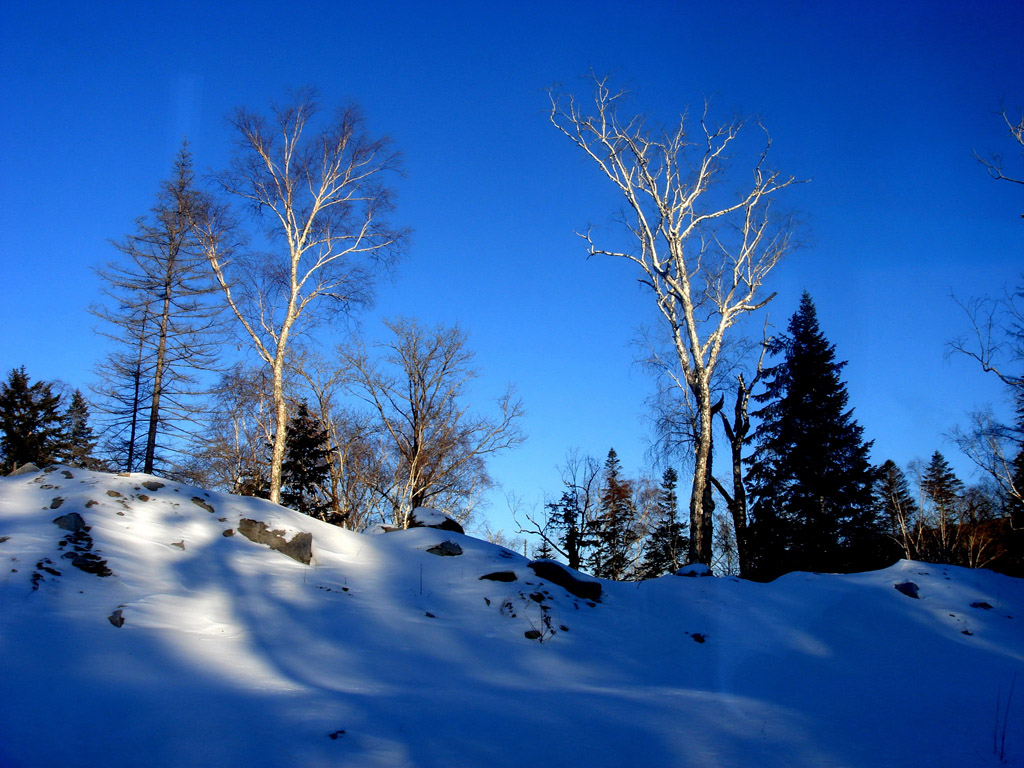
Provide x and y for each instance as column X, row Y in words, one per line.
column 300, row 547
column 908, row 588
column 425, row 517
column 446, row 549
column 24, row 469
column 559, row 574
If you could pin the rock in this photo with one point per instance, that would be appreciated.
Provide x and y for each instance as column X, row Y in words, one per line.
column 978, row 604
column 908, row 588
column 228, row 532
column 446, row 549
column 299, row 548
column 90, row 562
column 24, row 469
column 152, row 485
column 202, row 504
column 499, row 576
column 116, row 618
column 57, row 501
column 179, row 544
column 425, row 517
column 559, row 574
column 694, row 569
column 72, row 522
column 532, row 634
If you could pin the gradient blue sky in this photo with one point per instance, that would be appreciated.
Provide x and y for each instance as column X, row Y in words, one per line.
column 879, row 104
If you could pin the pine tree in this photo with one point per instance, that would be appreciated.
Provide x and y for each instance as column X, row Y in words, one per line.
column 305, row 472
column 666, row 544
column 614, row 530
column 30, row 422
column 810, row 478
column 79, row 438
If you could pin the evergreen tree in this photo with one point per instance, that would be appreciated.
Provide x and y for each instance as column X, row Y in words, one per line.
column 896, row 506
column 942, row 493
column 79, row 438
column 810, row 480
column 30, row 422
column 614, row 527
column 666, row 544
column 305, row 472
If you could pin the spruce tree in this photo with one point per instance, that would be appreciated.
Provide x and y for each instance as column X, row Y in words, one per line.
column 896, row 506
column 79, row 438
column 614, row 530
column 810, row 478
column 305, row 472
column 666, row 544
column 30, row 422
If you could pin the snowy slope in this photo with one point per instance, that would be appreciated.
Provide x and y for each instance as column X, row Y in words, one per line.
column 379, row 653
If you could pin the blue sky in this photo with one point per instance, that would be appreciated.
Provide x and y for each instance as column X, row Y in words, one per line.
column 879, row 105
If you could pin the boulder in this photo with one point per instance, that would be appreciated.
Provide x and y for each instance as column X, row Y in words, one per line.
column 446, row 549
column 425, row 517
column 507, row 576
column 559, row 574
column 72, row 522
column 908, row 588
column 24, row 469
column 300, row 547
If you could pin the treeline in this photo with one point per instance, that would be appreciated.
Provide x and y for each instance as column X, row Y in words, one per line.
column 216, row 374
column 816, row 501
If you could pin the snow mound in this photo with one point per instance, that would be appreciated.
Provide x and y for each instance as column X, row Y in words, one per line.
column 197, row 646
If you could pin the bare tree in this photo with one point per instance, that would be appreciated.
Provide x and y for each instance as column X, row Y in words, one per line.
column 160, row 315
column 434, row 447
column 995, row 163
column 566, row 526
column 322, row 198
column 704, row 257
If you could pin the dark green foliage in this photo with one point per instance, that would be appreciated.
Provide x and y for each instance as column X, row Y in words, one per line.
column 79, row 438
column 666, row 544
column 30, row 422
column 614, row 526
column 810, row 480
column 305, row 473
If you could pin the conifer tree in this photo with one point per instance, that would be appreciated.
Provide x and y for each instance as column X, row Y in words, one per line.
column 810, row 480
column 160, row 315
column 30, row 422
column 897, row 508
column 305, row 472
column 614, row 530
column 79, row 437
column 666, row 544
column 942, row 493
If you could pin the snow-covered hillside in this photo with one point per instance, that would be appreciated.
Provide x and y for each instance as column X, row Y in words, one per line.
column 159, row 635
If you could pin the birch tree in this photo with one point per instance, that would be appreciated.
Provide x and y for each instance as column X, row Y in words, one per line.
column 320, row 198
column 703, row 255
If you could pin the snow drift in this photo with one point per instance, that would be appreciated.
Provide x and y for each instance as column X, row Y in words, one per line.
column 138, row 626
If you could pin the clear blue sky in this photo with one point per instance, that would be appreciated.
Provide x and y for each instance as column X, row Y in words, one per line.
column 879, row 104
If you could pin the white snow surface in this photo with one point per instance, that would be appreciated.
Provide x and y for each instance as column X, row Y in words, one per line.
column 382, row 654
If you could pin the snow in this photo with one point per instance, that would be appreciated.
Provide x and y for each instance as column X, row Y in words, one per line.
column 382, row 654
